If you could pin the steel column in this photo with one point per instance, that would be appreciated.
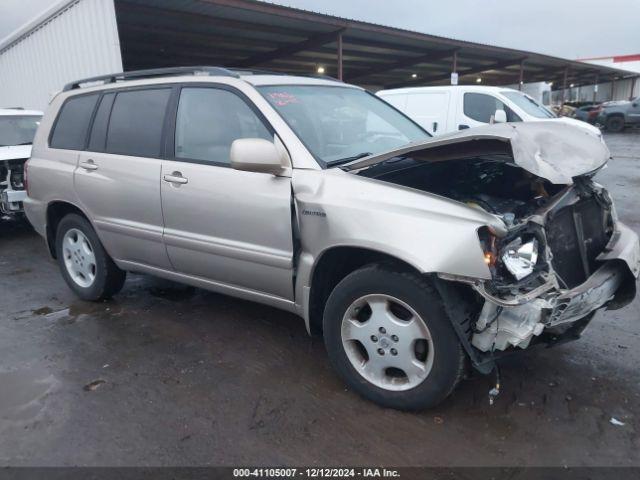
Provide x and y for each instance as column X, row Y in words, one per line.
column 521, row 81
column 340, row 71
column 613, row 88
column 564, row 85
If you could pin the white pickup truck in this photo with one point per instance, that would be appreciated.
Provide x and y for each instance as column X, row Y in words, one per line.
column 17, row 129
column 446, row 109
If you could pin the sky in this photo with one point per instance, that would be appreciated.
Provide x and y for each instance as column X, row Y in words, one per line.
column 565, row 28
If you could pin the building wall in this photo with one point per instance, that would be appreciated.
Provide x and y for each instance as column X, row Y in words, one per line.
column 618, row 90
column 74, row 39
column 630, row 63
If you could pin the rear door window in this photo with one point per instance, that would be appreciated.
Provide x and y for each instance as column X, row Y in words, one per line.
column 70, row 130
column 100, row 123
column 136, row 123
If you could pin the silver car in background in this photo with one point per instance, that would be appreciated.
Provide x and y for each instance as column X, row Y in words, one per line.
column 414, row 257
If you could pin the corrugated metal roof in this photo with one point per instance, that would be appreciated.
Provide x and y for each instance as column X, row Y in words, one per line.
column 249, row 33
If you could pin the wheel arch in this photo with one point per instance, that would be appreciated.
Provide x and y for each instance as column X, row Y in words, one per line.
column 56, row 211
column 334, row 264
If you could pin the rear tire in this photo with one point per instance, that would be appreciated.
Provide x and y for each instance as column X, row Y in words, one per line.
column 388, row 336
column 85, row 265
column 615, row 124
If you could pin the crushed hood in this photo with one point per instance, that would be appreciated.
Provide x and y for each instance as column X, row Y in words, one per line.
column 15, row 152
column 555, row 151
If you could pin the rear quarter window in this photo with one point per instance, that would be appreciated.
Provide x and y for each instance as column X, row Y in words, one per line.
column 72, row 124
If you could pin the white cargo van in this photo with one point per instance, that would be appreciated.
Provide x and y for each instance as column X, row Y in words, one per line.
column 446, row 109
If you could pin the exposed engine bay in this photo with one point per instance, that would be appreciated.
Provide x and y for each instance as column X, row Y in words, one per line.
column 547, row 271
column 12, row 188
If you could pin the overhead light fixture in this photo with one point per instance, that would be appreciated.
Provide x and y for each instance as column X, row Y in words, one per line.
column 478, row 80
column 571, row 86
column 320, row 69
column 551, row 84
column 414, row 75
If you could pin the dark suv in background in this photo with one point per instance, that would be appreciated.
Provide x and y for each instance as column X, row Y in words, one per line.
column 615, row 116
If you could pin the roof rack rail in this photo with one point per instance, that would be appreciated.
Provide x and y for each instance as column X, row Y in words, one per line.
column 157, row 72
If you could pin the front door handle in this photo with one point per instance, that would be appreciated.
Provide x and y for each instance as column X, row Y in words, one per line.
column 89, row 165
column 435, row 127
column 176, row 178
column 463, row 127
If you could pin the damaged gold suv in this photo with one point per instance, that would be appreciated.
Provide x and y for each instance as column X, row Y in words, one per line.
column 412, row 256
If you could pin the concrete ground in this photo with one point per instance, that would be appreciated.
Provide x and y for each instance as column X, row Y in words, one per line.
column 170, row 375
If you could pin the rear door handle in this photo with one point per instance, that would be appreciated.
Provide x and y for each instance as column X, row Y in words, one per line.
column 89, row 165
column 176, row 178
column 435, row 127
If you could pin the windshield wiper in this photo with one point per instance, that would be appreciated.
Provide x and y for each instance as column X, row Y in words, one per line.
column 340, row 161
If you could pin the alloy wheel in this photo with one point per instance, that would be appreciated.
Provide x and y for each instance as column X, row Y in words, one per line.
column 387, row 342
column 79, row 259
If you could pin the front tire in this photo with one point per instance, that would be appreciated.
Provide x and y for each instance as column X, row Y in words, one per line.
column 615, row 124
column 389, row 338
column 85, row 265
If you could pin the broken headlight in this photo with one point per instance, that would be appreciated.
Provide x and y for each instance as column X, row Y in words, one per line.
column 520, row 258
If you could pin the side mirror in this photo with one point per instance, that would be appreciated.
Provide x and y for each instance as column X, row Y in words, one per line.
column 500, row 116
column 255, row 155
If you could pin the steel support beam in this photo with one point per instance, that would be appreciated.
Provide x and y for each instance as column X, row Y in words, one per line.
column 432, row 56
column 454, row 67
column 308, row 44
column 613, row 88
column 340, row 67
column 134, row 12
column 564, row 85
column 468, row 71
column 521, row 80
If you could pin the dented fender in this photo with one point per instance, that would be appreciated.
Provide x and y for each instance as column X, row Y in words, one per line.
column 431, row 233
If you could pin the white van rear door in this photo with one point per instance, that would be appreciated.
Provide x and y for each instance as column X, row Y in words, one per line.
column 430, row 110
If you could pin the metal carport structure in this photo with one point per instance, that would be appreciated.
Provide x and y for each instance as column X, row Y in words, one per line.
column 84, row 38
column 252, row 34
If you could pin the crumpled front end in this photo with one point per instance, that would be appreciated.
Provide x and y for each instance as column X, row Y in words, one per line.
column 12, row 184
column 12, row 189
column 562, row 255
column 586, row 260
column 553, row 269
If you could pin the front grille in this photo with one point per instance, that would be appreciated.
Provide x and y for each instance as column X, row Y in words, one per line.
column 576, row 235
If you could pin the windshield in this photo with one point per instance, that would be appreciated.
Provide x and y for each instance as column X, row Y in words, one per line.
column 528, row 104
column 338, row 124
column 18, row 129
